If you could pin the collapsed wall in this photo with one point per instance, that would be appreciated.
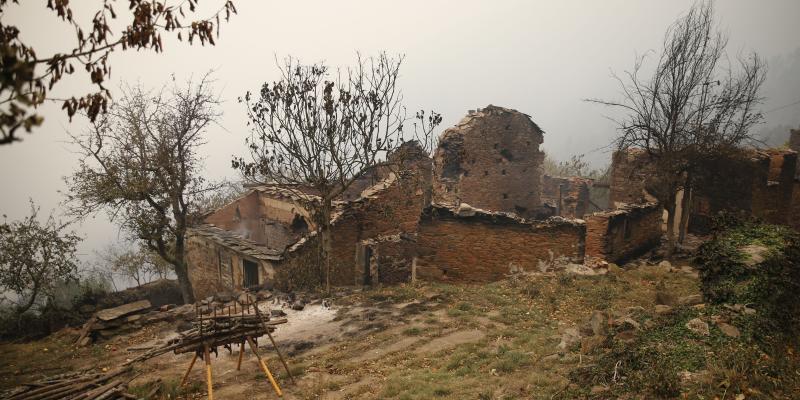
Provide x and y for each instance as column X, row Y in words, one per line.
column 389, row 258
column 491, row 160
column 752, row 182
column 622, row 234
column 387, row 209
column 568, row 197
column 630, row 170
column 469, row 245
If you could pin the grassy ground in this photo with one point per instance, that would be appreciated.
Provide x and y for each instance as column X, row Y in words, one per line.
column 516, row 357
column 491, row 341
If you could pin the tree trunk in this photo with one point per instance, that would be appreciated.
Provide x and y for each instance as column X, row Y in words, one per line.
column 670, row 224
column 21, row 308
column 182, row 271
column 686, row 208
column 326, row 242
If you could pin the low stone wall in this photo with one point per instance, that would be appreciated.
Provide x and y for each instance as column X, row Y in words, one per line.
column 477, row 246
column 622, row 234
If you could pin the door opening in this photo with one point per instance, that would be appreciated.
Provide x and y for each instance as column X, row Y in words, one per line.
column 367, row 261
column 250, row 274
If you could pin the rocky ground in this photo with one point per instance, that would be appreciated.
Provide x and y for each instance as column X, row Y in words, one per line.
column 518, row 338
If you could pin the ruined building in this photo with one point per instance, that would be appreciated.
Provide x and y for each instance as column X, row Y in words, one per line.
column 478, row 210
column 491, row 160
column 754, row 182
column 567, row 197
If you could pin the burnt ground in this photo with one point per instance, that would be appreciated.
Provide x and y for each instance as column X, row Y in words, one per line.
column 415, row 341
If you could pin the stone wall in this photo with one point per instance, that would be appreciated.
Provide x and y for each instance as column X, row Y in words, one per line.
column 625, row 233
column 302, row 268
column 263, row 216
column 389, row 258
column 772, row 199
column 242, row 216
column 569, row 196
column 794, row 144
column 391, row 207
column 756, row 183
column 629, row 172
column 214, row 267
column 490, row 160
column 482, row 247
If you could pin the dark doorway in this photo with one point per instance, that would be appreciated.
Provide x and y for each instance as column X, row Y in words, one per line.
column 367, row 260
column 250, row 274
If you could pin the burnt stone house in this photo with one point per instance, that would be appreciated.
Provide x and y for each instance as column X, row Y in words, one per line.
column 755, row 182
column 477, row 210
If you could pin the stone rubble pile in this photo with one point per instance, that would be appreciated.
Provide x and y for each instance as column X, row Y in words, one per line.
column 110, row 322
column 127, row 318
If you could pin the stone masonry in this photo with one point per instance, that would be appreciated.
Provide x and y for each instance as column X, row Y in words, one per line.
column 619, row 235
column 567, row 196
column 491, row 160
column 477, row 246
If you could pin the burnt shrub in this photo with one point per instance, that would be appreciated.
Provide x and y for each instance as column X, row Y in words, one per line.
column 756, row 265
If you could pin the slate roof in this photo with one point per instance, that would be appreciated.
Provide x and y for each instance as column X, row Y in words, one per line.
column 236, row 243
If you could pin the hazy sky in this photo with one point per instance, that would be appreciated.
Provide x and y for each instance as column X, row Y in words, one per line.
column 540, row 57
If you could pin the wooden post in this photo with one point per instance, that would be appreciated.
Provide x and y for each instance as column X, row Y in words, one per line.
column 264, row 368
column 280, row 356
column 241, row 354
column 207, row 358
column 191, row 364
column 275, row 345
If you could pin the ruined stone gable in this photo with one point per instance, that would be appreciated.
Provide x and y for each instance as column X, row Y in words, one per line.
column 491, row 160
column 630, row 170
column 567, row 196
column 619, row 235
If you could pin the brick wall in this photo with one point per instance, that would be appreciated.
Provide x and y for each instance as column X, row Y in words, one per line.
column 622, row 234
column 395, row 208
column 794, row 144
column 490, row 160
column 569, row 195
column 486, row 247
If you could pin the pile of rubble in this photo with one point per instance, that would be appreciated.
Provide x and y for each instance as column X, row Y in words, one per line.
column 127, row 318
column 130, row 317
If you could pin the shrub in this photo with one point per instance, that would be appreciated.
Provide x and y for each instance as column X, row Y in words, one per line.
column 770, row 286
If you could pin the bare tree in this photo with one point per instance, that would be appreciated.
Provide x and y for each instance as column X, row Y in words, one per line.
column 320, row 132
column 137, row 264
column 28, row 74
column 140, row 164
column 227, row 192
column 575, row 166
column 692, row 105
column 34, row 257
